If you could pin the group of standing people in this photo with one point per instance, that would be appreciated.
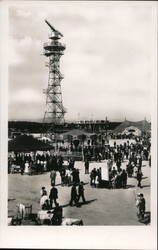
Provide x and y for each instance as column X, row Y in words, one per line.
column 76, row 194
column 28, row 163
column 95, row 177
column 47, row 202
column 69, row 176
column 117, row 178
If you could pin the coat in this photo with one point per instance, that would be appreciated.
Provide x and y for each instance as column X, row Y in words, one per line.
column 73, row 192
column 139, row 176
column 80, row 189
column 53, row 193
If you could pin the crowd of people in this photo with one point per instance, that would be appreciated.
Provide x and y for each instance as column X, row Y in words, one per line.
column 37, row 164
column 129, row 154
column 28, row 163
column 132, row 152
column 120, row 152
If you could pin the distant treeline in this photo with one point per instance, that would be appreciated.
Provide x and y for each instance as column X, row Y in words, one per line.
column 38, row 127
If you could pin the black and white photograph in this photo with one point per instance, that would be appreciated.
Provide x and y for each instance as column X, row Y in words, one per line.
column 81, row 113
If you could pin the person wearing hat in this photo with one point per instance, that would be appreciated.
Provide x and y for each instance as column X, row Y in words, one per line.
column 43, row 189
column 81, row 192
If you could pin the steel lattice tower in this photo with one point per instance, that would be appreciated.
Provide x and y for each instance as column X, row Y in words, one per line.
column 53, row 50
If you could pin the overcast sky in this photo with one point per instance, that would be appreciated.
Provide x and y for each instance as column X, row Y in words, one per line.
column 108, row 63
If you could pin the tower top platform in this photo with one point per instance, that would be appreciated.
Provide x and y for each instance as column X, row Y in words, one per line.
column 53, row 47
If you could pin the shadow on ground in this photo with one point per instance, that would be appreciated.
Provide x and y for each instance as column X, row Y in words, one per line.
column 86, row 203
column 80, row 203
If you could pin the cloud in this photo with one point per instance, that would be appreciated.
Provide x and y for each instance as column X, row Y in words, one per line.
column 107, row 62
column 23, row 13
column 14, row 56
column 25, row 96
column 20, row 50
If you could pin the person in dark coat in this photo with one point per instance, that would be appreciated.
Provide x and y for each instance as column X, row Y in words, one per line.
column 81, row 192
column 129, row 169
column 99, row 177
column 150, row 161
column 124, row 178
column 71, row 163
column 119, row 179
column 75, row 176
column 62, row 174
column 60, row 162
column 139, row 178
column 53, row 196
column 22, row 167
column 139, row 163
column 93, row 176
column 142, row 206
column 118, row 164
column 57, row 215
column 73, row 195
column 86, row 167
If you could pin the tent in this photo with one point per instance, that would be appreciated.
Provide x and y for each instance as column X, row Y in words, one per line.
column 132, row 130
column 25, row 143
column 138, row 127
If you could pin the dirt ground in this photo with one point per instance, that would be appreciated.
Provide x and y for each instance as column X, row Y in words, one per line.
column 103, row 207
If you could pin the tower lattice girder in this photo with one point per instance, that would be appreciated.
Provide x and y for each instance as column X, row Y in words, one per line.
column 55, row 110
